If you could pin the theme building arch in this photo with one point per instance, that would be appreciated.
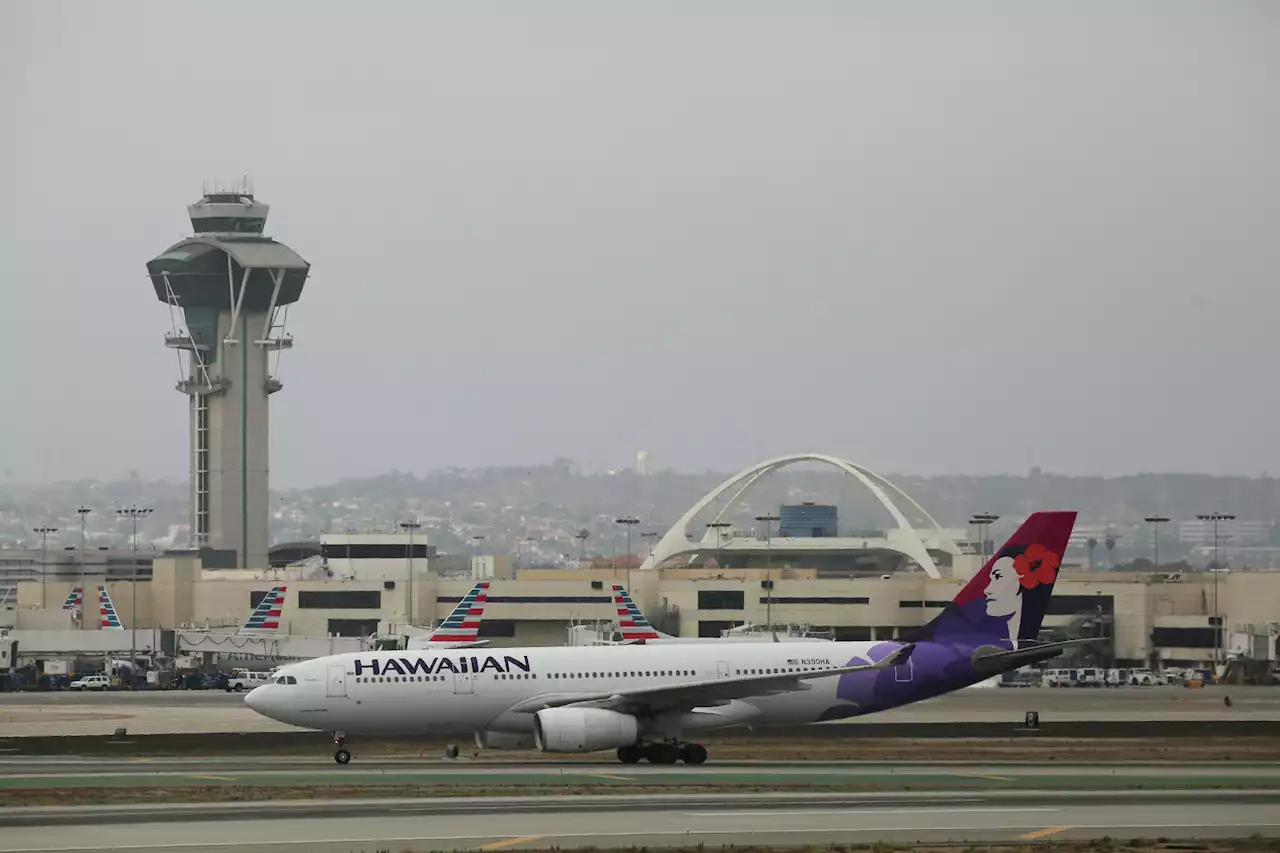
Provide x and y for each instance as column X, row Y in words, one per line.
column 674, row 541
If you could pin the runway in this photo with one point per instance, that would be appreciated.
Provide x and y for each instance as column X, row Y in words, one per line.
column 175, row 712
column 757, row 819
column 260, row 772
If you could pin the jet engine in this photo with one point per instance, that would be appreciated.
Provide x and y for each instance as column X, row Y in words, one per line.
column 503, row 740
column 583, row 729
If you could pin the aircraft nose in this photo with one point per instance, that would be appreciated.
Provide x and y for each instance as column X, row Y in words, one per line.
column 254, row 699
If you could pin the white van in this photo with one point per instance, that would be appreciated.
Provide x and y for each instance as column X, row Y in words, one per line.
column 1059, row 678
column 1090, row 677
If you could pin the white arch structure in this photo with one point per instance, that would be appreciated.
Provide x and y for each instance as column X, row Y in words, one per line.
column 674, row 541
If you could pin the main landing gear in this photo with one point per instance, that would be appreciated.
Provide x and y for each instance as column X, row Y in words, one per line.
column 668, row 752
column 342, row 756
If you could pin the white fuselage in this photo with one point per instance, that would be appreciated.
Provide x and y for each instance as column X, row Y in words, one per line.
column 440, row 692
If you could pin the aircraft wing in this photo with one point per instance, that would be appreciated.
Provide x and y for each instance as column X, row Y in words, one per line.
column 699, row 694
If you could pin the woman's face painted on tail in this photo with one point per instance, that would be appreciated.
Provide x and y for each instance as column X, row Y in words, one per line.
column 1002, row 592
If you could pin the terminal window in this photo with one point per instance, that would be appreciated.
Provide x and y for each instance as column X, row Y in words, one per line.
column 497, row 628
column 381, row 551
column 1071, row 605
column 714, row 628
column 815, row 599
column 1183, row 638
column 353, row 627
column 340, row 599
column 721, row 599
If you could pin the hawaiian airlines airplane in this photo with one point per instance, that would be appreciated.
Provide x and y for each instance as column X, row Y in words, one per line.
column 635, row 628
column 645, row 701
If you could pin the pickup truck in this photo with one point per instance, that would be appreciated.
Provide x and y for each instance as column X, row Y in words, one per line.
column 91, row 682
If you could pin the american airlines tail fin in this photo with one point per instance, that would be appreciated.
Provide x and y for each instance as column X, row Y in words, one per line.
column 73, row 598
column 107, row 610
column 631, row 621
column 266, row 616
column 1006, row 602
column 461, row 628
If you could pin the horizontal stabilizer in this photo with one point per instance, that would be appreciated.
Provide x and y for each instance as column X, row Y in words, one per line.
column 994, row 659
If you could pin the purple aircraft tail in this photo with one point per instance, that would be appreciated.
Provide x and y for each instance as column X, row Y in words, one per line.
column 1008, row 599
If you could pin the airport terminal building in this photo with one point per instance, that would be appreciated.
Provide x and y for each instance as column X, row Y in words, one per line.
column 807, row 571
column 1151, row 620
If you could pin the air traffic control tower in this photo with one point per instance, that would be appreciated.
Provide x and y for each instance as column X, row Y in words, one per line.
column 228, row 288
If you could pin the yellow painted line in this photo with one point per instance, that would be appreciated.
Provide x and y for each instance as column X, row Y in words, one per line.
column 1049, row 830
column 607, row 776
column 217, row 778
column 509, row 842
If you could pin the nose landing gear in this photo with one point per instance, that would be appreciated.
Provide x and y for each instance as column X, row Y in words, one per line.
column 342, row 755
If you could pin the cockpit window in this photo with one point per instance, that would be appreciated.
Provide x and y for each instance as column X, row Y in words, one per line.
column 286, row 679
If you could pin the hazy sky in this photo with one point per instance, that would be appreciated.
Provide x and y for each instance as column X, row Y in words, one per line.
column 933, row 237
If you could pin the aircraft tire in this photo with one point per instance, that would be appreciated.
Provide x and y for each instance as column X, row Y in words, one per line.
column 451, row 751
column 342, row 756
column 694, row 753
column 630, row 754
column 662, row 753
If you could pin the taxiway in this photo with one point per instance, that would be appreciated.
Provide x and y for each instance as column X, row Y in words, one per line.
column 758, row 819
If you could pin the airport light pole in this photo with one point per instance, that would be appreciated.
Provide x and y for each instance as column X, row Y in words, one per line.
column 983, row 520
column 133, row 513
column 630, row 521
column 768, row 520
column 44, row 558
column 651, row 535
column 1155, row 521
column 410, row 526
column 83, row 512
column 1216, row 518
column 718, row 527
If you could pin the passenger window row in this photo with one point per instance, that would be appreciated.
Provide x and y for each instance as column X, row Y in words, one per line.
column 400, row 679
column 645, row 674
column 783, row 670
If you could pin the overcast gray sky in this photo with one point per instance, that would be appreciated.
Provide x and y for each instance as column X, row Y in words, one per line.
column 933, row 237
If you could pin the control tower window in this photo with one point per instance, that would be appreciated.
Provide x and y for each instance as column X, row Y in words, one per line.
column 229, row 224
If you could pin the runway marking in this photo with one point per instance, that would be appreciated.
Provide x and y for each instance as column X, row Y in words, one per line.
column 854, row 810
column 510, row 842
column 1048, row 830
column 607, row 776
column 216, row 778
column 982, row 776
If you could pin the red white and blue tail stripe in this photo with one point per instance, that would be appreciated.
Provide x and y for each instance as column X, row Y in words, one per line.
column 74, row 598
column 631, row 621
column 462, row 626
column 107, row 610
column 266, row 616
